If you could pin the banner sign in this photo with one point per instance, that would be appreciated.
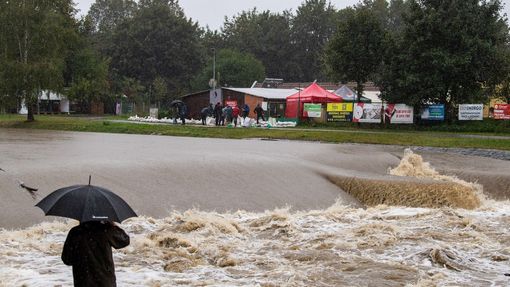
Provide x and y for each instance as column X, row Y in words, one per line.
column 398, row 114
column 339, row 112
column 471, row 112
column 231, row 103
column 367, row 113
column 502, row 111
column 433, row 113
column 312, row 110
column 153, row 113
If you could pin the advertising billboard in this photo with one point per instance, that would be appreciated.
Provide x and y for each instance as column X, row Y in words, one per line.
column 398, row 114
column 471, row 112
column 231, row 103
column 339, row 112
column 312, row 110
column 502, row 111
column 367, row 113
column 433, row 113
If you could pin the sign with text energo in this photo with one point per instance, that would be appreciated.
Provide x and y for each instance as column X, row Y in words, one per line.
column 339, row 112
column 471, row 112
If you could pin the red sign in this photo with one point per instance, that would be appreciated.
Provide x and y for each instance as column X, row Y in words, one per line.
column 502, row 111
column 231, row 103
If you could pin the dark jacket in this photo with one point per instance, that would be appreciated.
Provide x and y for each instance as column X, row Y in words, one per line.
column 183, row 111
column 88, row 248
column 207, row 111
column 258, row 110
column 218, row 111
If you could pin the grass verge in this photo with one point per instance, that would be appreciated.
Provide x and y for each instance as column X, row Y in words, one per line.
column 404, row 138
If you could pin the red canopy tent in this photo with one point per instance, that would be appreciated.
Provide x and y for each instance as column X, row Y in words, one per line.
column 312, row 94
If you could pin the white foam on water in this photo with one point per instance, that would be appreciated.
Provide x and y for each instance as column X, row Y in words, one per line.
column 331, row 247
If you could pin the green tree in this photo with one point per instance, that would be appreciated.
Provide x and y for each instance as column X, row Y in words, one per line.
column 160, row 92
column 451, row 52
column 106, row 15
column 236, row 69
column 86, row 73
column 267, row 36
column 35, row 36
column 158, row 41
column 313, row 26
column 103, row 19
column 355, row 52
column 88, row 80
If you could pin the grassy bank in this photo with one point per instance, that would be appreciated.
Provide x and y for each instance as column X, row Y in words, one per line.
column 390, row 137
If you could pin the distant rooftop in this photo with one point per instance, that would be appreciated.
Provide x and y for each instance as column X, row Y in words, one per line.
column 279, row 84
column 273, row 94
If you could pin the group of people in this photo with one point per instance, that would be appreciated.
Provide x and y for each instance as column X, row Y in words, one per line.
column 229, row 114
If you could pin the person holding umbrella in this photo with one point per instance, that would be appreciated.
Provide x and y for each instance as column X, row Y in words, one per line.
column 88, row 246
column 88, row 249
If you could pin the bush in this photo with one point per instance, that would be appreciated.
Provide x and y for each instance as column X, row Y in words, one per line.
column 485, row 126
column 166, row 114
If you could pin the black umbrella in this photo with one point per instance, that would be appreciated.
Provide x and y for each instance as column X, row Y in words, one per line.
column 86, row 203
column 176, row 102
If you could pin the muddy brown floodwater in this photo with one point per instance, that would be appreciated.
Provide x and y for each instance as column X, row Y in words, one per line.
column 219, row 212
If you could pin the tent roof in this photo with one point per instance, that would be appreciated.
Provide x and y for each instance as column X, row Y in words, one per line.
column 315, row 93
column 349, row 95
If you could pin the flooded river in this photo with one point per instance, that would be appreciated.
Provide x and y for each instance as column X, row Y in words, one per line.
column 262, row 213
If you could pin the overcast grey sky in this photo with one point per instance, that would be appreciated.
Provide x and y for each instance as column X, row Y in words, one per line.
column 212, row 13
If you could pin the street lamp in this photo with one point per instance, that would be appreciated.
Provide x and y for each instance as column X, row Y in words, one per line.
column 214, row 68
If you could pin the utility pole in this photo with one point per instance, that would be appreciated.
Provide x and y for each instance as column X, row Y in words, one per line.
column 214, row 69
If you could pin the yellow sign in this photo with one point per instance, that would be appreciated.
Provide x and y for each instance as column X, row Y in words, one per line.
column 339, row 107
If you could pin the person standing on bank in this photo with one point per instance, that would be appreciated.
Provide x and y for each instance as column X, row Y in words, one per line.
column 218, row 113
column 228, row 114
column 246, row 111
column 183, row 113
column 235, row 114
column 259, row 112
column 206, row 112
column 88, row 249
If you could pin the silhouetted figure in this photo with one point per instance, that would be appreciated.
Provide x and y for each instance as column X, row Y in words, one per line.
column 259, row 112
column 88, row 248
column 218, row 110
column 183, row 112
column 206, row 112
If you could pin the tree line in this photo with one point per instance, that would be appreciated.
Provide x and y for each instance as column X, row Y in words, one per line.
column 416, row 51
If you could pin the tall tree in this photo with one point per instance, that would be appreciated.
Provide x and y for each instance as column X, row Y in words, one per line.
column 104, row 17
column 312, row 28
column 267, row 36
column 355, row 52
column 451, row 52
column 35, row 35
column 235, row 69
column 158, row 41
